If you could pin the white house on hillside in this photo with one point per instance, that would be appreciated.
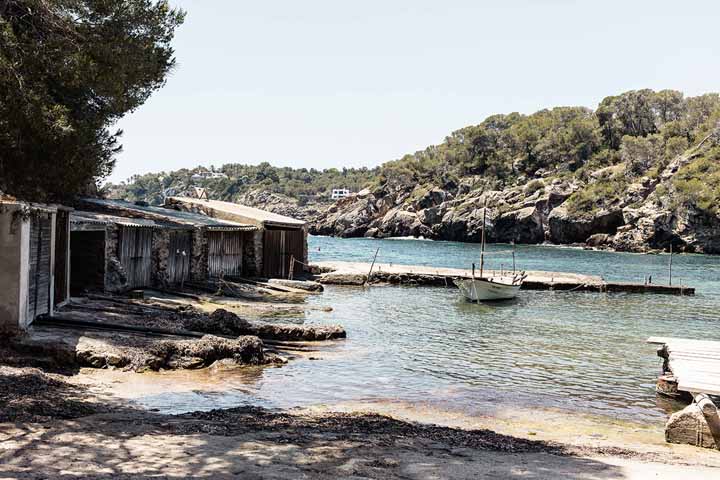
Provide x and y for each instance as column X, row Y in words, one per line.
column 208, row 175
column 338, row 193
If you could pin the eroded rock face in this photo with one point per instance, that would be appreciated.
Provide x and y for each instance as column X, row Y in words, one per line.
column 567, row 228
column 645, row 217
column 520, row 226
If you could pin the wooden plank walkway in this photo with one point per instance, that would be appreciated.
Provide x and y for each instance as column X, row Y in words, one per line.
column 695, row 364
column 355, row 273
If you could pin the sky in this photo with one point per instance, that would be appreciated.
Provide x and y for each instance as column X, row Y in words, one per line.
column 330, row 83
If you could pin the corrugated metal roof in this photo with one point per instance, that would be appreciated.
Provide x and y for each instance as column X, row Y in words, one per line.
column 82, row 217
column 165, row 215
column 242, row 212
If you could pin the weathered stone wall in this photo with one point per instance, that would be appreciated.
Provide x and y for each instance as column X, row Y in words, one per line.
column 199, row 260
column 160, row 256
column 252, row 253
column 115, row 276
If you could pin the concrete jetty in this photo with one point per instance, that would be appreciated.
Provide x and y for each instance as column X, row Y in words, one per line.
column 355, row 273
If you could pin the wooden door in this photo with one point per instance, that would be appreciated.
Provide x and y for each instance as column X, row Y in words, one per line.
column 180, row 252
column 279, row 247
column 62, row 262
column 39, row 275
column 136, row 255
column 225, row 252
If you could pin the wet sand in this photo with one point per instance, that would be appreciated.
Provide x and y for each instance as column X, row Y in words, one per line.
column 348, row 440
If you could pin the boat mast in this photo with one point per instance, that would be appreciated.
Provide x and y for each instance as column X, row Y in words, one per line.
column 482, row 241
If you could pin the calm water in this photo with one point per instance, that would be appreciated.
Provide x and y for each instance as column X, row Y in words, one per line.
column 577, row 351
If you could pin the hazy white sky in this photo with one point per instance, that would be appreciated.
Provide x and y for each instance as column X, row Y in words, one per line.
column 330, row 83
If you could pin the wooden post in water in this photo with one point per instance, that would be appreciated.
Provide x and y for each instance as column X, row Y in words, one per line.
column 513, row 255
column 482, row 242
column 371, row 266
column 670, row 266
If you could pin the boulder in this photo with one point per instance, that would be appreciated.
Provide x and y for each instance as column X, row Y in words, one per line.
column 598, row 240
column 568, row 228
column 432, row 215
column 688, row 426
column 521, row 226
column 433, row 197
column 400, row 223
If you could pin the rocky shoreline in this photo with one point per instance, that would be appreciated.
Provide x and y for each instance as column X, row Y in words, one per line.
column 648, row 214
column 52, row 426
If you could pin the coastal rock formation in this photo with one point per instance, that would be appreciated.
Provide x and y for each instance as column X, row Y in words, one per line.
column 567, row 228
column 612, row 208
column 525, row 225
column 688, row 426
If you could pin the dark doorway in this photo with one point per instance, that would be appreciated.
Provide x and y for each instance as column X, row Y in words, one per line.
column 87, row 262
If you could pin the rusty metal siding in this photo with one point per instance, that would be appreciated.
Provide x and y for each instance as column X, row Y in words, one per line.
column 280, row 245
column 225, row 252
column 179, row 257
column 62, row 241
column 135, row 252
column 39, row 277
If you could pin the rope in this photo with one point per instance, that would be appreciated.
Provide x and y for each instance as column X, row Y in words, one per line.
column 301, row 263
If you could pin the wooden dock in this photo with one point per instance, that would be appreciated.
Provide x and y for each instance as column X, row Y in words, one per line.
column 694, row 364
column 691, row 372
column 356, row 273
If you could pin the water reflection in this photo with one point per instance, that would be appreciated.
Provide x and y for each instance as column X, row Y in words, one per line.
column 578, row 351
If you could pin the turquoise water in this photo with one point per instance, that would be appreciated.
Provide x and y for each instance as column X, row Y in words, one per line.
column 569, row 350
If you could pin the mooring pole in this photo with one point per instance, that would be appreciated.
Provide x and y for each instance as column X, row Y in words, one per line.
column 670, row 266
column 513, row 255
column 371, row 266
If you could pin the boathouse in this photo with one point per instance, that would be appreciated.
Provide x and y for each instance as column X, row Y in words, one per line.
column 279, row 239
column 123, row 246
column 34, row 254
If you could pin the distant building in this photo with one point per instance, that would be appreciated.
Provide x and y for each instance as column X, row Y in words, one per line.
column 204, row 175
column 338, row 193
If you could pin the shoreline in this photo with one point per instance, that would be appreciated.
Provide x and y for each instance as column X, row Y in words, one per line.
column 122, row 441
column 85, row 423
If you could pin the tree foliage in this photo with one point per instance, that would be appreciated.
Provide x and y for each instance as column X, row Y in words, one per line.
column 69, row 69
column 637, row 131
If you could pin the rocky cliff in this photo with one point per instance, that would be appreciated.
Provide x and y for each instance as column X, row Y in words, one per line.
column 648, row 214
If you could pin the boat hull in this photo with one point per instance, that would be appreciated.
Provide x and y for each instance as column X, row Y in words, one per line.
column 479, row 290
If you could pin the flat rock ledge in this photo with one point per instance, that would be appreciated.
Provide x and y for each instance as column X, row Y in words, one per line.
column 141, row 353
column 223, row 322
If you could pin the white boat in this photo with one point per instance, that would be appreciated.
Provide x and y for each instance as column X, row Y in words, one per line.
column 479, row 289
column 484, row 289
